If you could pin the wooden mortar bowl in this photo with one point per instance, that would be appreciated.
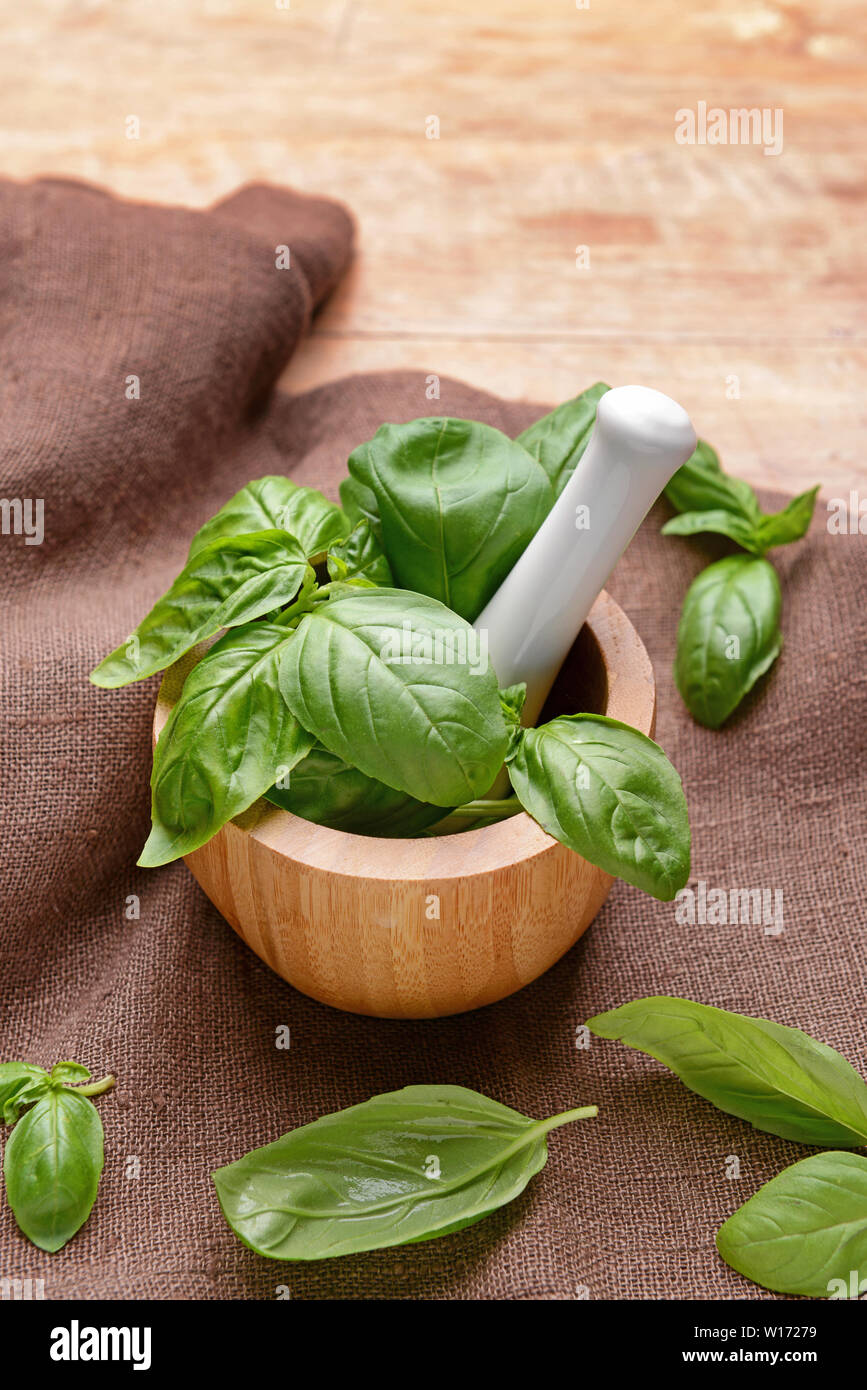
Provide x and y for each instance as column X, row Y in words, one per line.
column 348, row 919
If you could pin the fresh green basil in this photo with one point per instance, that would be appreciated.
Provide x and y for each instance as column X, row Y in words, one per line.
column 736, row 527
column 385, row 680
column 360, row 556
column 758, row 536
column 558, row 440
column 402, row 1167
column 457, row 502
column 700, row 485
column 610, row 793
column 790, row 524
column 226, row 741
column 779, row 1079
column 54, row 1155
column 805, row 1231
column 729, row 635
column 277, row 504
column 512, row 702
column 326, row 790
column 19, row 1083
column 228, row 582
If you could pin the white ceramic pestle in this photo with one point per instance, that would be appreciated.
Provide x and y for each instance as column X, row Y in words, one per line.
column 640, row 438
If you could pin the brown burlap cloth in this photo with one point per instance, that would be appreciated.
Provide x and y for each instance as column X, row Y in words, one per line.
column 95, row 292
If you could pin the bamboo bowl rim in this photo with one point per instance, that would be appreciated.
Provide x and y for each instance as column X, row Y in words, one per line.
column 629, row 695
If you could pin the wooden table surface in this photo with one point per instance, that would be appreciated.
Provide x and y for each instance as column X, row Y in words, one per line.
column 729, row 278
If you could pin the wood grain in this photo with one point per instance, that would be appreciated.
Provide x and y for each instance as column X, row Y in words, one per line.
column 713, row 269
column 349, row 919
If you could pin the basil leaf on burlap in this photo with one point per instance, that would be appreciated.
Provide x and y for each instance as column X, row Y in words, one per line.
column 805, row 1231
column 402, row 1167
column 779, row 1079
column 728, row 636
column 52, row 1164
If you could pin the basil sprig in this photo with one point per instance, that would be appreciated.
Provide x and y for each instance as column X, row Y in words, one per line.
column 403, row 1167
column 366, row 703
column 729, row 632
column 54, row 1156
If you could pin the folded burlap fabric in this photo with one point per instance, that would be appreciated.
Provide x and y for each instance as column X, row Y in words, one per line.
column 139, row 347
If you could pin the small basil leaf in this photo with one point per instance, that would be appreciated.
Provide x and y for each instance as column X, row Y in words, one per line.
column 228, row 582
column 52, row 1164
column 326, row 790
column 512, row 702
column 277, row 504
column 737, row 528
column 63, row 1073
column 20, row 1082
column 558, row 440
column 610, row 793
column 457, row 503
column 225, row 742
column 779, row 1079
column 360, row 556
column 388, row 682
column 805, row 1231
column 729, row 635
column 700, row 485
column 402, row 1167
column 790, row 524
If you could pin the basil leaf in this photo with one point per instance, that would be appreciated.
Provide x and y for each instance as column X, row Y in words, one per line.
column 20, row 1080
column 277, row 504
column 457, row 502
column 700, row 485
column 805, row 1231
column 779, row 1079
column 790, row 524
column 607, row 791
column 403, row 1167
column 224, row 743
column 326, row 790
column 228, row 582
column 558, row 440
column 729, row 635
column 512, row 703
column 358, row 502
column 68, row 1072
column 386, row 681
column 52, row 1164
column 360, row 556
column 738, row 528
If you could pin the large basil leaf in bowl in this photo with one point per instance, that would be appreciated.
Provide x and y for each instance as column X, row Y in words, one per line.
column 326, row 790
column 395, row 684
column 276, row 503
column 455, row 503
column 559, row 439
column 607, row 791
